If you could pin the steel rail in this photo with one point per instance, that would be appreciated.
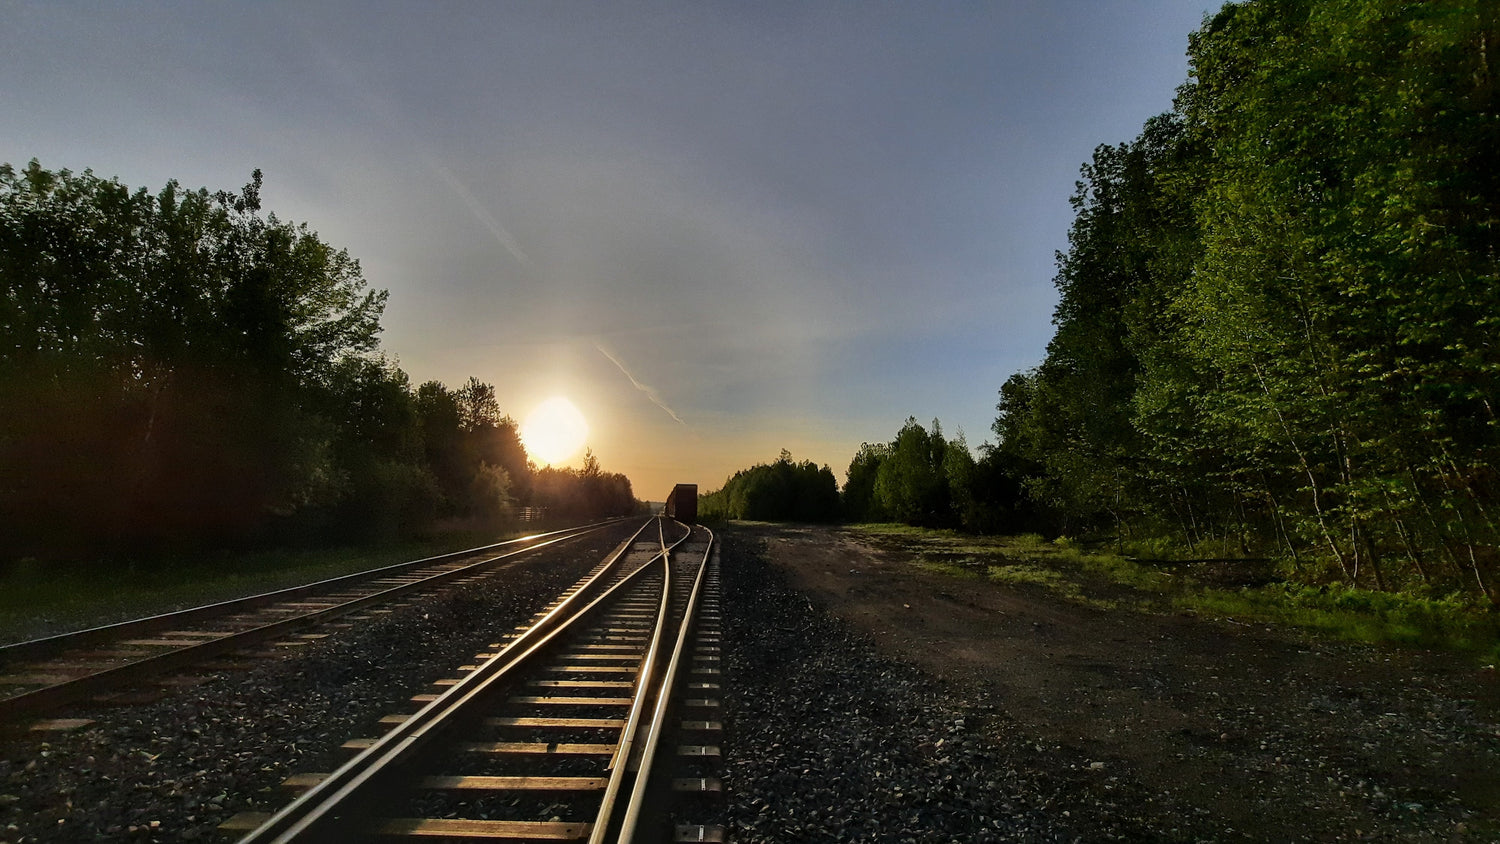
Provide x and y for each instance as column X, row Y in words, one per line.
column 315, row 815
column 70, row 690
column 604, row 821
column 46, row 646
column 636, row 805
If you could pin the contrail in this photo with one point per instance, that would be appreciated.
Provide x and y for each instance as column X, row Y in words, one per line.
column 650, row 393
column 482, row 213
column 385, row 113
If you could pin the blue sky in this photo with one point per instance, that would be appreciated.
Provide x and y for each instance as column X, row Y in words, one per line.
column 720, row 229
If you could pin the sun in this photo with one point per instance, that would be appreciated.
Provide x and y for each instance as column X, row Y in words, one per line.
column 554, row 431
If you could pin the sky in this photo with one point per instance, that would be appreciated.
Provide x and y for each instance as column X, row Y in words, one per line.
column 720, row 229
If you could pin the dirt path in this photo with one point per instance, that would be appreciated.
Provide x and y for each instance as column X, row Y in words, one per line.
column 1265, row 734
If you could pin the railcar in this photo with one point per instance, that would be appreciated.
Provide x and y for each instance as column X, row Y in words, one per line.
column 682, row 503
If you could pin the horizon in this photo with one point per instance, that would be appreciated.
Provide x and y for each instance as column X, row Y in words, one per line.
column 719, row 231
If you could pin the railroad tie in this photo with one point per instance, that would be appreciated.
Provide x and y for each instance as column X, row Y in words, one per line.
column 466, row 828
column 699, row 832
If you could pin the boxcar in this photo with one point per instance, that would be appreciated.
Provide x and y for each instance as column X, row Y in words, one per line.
column 682, row 504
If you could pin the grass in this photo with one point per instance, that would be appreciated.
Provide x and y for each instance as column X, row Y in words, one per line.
column 1359, row 615
column 1108, row 580
column 39, row 599
column 1016, row 575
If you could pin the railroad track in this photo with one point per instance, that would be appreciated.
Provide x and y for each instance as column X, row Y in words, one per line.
column 43, row 674
column 595, row 723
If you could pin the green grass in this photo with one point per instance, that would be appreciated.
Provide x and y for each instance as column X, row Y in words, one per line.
column 39, row 599
column 1017, row 575
column 1359, row 615
column 1069, row 570
column 952, row 569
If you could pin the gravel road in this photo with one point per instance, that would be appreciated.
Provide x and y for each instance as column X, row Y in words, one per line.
column 829, row 741
column 869, row 700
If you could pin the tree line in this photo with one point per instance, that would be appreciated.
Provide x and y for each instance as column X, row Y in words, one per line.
column 1276, row 329
column 783, row 490
column 920, row 478
column 1277, row 325
column 923, row 478
column 180, row 369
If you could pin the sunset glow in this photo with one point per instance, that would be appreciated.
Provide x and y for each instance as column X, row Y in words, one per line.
column 718, row 266
column 554, row 431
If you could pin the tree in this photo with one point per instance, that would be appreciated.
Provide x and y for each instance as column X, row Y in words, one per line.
column 468, row 444
column 477, row 406
column 588, row 492
column 911, row 485
column 784, row 490
column 1277, row 304
column 859, row 486
column 959, row 471
column 192, row 371
column 163, row 344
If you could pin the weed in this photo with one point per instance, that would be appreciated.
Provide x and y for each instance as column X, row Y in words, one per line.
column 1065, row 568
column 1028, row 542
column 1125, row 572
column 1032, row 575
column 952, row 569
column 1359, row 615
column 1153, row 548
column 38, row 599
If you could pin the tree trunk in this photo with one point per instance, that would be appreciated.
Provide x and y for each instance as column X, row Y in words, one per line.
column 1312, row 479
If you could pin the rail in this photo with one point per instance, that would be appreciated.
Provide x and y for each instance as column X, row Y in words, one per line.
column 58, row 693
column 335, row 808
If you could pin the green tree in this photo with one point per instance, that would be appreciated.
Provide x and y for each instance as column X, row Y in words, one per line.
column 911, row 485
column 1347, row 288
column 1277, row 304
column 960, row 474
column 859, row 501
column 784, row 490
column 477, row 405
column 166, row 345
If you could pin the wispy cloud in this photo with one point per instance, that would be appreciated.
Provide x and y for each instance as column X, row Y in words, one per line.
column 481, row 213
column 395, row 125
column 650, row 393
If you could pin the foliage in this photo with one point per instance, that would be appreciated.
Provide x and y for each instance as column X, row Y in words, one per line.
column 183, row 371
column 923, row 478
column 1100, row 579
column 1360, row 615
column 166, row 349
column 1018, row 575
column 1278, row 303
column 781, row 491
column 859, row 502
column 911, row 485
column 587, row 492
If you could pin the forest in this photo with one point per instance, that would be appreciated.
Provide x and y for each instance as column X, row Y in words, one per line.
column 1277, row 317
column 780, row 491
column 181, row 371
column 1278, row 304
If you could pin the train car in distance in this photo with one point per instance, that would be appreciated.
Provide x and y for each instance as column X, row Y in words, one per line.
column 682, row 504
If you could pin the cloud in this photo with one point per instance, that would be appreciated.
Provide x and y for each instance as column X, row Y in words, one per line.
column 650, row 393
column 481, row 213
column 395, row 125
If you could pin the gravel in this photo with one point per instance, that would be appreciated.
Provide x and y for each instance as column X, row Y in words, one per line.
column 174, row 769
column 1225, row 733
column 827, row 740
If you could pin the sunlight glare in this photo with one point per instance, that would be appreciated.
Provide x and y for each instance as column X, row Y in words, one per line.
column 554, row 431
